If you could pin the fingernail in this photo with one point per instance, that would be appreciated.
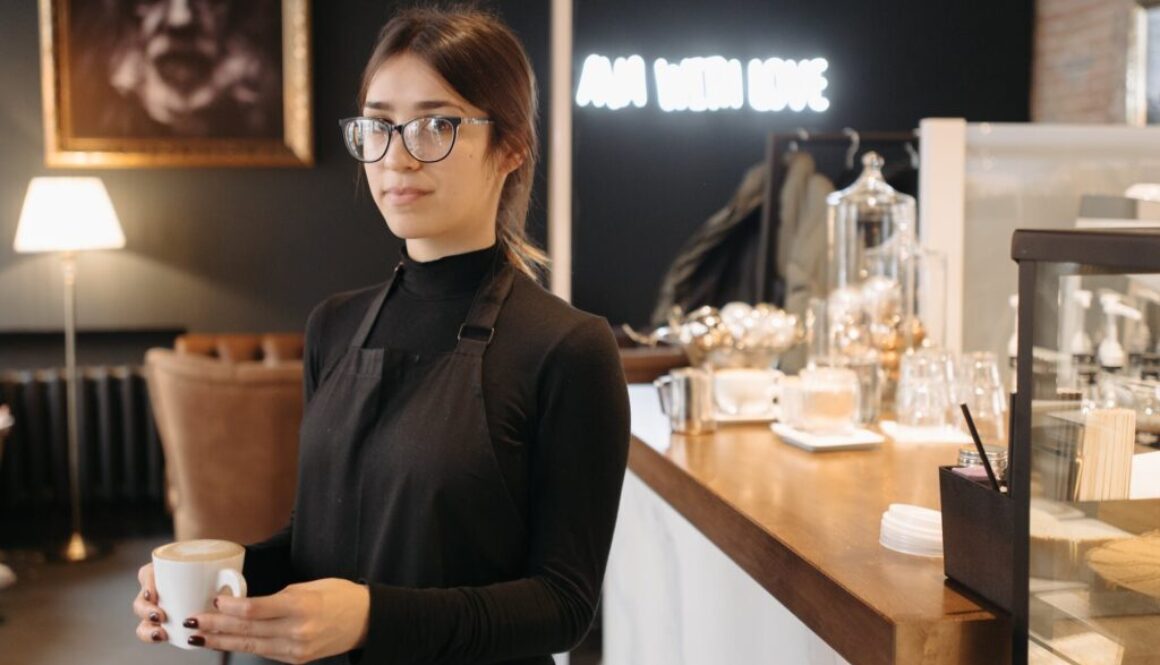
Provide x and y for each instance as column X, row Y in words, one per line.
column 155, row 617
column 155, row 636
column 197, row 641
column 148, row 596
column 190, row 623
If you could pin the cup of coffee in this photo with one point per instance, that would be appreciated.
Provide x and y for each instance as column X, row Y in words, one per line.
column 189, row 574
column 745, row 391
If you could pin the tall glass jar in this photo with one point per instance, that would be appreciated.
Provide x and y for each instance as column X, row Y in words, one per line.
column 868, row 226
column 873, row 255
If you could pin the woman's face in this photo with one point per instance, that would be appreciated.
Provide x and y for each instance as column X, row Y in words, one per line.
column 451, row 204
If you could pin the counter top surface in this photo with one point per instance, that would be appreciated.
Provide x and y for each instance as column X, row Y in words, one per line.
column 805, row 526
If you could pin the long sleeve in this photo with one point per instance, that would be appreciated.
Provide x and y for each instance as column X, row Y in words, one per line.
column 576, row 472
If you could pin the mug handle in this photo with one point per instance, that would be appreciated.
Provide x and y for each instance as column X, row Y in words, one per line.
column 232, row 579
column 662, row 384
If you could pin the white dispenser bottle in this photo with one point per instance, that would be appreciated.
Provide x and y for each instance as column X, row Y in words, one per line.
column 1111, row 353
column 1080, row 345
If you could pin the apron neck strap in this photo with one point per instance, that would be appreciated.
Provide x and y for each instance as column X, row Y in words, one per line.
column 479, row 328
column 368, row 322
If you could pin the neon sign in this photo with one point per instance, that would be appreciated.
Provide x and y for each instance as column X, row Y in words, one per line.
column 710, row 83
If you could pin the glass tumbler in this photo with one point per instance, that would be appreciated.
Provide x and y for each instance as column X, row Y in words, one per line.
column 981, row 388
column 923, row 396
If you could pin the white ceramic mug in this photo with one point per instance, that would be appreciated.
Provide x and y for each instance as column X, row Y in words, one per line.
column 188, row 575
column 744, row 391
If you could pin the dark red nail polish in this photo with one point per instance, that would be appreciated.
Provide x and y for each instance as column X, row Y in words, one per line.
column 197, row 641
column 155, row 617
column 148, row 596
column 190, row 623
column 155, row 636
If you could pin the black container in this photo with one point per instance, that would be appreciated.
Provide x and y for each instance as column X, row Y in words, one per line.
column 978, row 535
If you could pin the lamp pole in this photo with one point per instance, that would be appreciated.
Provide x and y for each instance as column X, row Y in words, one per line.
column 78, row 548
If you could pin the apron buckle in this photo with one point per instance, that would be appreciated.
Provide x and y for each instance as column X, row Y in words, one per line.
column 479, row 329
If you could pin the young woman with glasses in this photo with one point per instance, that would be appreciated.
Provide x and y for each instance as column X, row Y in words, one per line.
column 465, row 432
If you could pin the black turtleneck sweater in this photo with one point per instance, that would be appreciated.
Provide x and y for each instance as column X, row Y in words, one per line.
column 557, row 410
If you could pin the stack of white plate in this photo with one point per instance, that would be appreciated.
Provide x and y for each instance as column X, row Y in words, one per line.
column 912, row 530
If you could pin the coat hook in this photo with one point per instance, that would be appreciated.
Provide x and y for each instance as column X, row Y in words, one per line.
column 855, row 143
column 802, row 135
column 910, row 150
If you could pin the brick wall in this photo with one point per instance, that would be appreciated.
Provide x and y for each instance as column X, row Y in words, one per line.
column 1081, row 50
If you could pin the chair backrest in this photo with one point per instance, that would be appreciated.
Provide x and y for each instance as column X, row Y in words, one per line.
column 228, row 409
column 270, row 348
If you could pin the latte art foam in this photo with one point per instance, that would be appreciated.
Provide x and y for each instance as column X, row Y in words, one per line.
column 198, row 550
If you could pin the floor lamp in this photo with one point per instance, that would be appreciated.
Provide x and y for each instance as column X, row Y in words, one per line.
column 69, row 215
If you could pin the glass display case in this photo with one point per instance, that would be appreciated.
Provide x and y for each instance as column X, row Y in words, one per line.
column 1084, row 461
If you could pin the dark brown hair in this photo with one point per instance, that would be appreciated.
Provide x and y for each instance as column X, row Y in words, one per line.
column 482, row 60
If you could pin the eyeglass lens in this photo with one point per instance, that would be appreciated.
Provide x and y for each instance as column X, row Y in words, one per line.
column 427, row 139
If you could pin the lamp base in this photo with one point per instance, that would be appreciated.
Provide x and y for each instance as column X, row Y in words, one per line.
column 77, row 550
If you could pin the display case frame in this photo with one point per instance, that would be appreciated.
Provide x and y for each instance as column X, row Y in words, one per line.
column 1104, row 252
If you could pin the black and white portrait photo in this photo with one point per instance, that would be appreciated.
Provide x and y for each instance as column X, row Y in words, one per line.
column 173, row 77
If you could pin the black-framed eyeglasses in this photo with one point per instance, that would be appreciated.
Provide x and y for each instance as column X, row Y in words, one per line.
column 428, row 138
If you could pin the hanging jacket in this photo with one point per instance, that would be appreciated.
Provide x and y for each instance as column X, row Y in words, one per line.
column 718, row 263
column 802, row 254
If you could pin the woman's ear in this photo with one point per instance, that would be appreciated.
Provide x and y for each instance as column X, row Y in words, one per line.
column 512, row 160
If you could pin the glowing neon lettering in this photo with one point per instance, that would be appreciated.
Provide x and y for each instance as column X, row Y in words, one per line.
column 710, row 83
column 699, row 84
column 604, row 83
column 777, row 84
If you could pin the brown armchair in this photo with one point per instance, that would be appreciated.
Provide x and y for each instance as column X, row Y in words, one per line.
column 228, row 409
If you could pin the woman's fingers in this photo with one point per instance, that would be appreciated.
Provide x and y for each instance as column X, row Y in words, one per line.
column 275, row 648
column 149, row 632
column 228, row 625
column 279, row 605
column 146, row 610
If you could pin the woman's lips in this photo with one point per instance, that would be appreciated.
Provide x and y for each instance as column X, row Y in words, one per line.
column 399, row 196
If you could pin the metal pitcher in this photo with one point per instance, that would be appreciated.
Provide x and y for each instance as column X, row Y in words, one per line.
column 686, row 395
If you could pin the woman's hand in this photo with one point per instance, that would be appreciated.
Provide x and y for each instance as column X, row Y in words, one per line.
column 146, row 609
column 303, row 622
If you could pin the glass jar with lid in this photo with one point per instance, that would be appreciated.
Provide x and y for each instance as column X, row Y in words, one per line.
column 869, row 226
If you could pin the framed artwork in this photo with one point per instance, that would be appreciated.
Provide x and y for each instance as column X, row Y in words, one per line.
column 176, row 83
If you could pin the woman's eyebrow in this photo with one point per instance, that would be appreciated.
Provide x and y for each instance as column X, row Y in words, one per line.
column 427, row 105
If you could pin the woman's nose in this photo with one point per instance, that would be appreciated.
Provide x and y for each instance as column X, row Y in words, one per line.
column 397, row 157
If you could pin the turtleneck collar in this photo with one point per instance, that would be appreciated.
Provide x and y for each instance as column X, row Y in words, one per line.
column 452, row 276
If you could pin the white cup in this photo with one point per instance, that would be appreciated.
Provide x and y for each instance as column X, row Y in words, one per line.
column 822, row 400
column 744, row 391
column 188, row 575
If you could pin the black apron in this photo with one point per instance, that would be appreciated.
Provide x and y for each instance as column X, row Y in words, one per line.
column 399, row 483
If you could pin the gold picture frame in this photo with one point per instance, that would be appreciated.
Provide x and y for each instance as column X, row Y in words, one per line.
column 128, row 83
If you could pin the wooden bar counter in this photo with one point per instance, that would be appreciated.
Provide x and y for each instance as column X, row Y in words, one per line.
column 805, row 527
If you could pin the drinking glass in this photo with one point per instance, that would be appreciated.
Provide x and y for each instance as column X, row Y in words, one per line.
column 981, row 389
column 923, row 395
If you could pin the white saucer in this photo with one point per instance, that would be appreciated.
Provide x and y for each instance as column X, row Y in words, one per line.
column 854, row 440
column 747, row 418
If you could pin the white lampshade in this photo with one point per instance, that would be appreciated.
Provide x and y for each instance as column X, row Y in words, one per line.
column 67, row 215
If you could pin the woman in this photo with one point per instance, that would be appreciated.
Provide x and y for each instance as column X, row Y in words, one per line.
column 465, row 432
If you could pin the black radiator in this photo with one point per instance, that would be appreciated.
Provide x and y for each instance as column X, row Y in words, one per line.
column 121, row 465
